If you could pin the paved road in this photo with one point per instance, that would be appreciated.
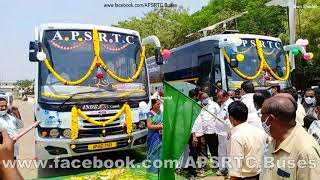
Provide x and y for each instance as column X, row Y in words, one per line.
column 27, row 150
column 26, row 143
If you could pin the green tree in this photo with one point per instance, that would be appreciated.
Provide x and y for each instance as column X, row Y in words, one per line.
column 24, row 83
column 165, row 23
column 259, row 20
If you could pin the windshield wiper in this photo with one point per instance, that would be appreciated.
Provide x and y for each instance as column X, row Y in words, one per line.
column 73, row 95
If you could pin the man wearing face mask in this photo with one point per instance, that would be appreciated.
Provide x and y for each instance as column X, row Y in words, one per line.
column 223, row 130
column 309, row 103
column 275, row 89
column 9, row 122
column 291, row 145
column 205, row 125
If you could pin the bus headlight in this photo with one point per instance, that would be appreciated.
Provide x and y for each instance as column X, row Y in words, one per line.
column 134, row 126
column 66, row 133
column 142, row 124
column 54, row 133
column 44, row 133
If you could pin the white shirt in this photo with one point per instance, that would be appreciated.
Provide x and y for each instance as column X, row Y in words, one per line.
column 11, row 124
column 247, row 99
column 300, row 114
column 155, row 95
column 246, row 142
column 314, row 130
column 223, row 113
column 224, row 128
column 205, row 122
column 254, row 119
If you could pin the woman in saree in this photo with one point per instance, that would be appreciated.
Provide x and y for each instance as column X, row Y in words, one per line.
column 154, row 140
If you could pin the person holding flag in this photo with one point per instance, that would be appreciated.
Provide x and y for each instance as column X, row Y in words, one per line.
column 180, row 113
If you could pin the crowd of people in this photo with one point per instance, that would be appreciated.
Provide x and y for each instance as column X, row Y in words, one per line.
column 253, row 125
column 248, row 124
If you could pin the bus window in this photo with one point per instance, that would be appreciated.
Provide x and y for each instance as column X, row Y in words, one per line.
column 204, row 72
column 204, row 64
column 217, row 71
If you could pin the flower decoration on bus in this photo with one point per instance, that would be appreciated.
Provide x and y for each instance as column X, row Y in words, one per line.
column 114, row 49
column 240, row 57
column 263, row 65
column 76, row 112
column 74, row 45
column 97, row 62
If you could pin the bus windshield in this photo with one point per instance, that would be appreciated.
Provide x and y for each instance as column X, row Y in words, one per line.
column 71, row 55
column 273, row 54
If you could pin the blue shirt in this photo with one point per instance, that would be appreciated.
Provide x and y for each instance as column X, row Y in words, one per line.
column 11, row 124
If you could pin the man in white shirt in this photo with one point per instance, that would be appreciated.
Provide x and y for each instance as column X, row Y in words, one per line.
column 223, row 130
column 246, row 144
column 205, row 124
column 10, row 123
column 197, row 144
column 258, row 99
column 309, row 103
column 247, row 92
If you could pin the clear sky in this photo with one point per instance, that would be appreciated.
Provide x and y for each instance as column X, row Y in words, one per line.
column 19, row 17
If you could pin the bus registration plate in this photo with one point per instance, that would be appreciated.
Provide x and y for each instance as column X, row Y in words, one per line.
column 102, row 146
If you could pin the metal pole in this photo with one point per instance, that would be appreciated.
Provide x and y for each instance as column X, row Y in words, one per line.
column 292, row 28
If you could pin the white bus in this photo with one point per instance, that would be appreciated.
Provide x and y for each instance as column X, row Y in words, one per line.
column 224, row 61
column 91, row 89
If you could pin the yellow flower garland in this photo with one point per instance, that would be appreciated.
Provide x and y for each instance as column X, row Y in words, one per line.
column 58, row 96
column 75, row 112
column 98, row 60
column 263, row 63
column 244, row 76
column 74, row 124
column 245, row 51
column 96, row 44
column 269, row 53
column 66, row 82
column 262, row 58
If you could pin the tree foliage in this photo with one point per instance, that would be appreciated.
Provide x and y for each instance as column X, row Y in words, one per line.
column 24, row 83
column 165, row 23
column 172, row 26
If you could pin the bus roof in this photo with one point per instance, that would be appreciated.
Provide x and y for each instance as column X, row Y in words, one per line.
column 219, row 37
column 72, row 26
column 246, row 36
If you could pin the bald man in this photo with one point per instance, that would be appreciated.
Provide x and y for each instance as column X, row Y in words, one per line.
column 278, row 116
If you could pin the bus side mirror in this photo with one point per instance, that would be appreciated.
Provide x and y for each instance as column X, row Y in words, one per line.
column 233, row 60
column 158, row 56
column 33, row 51
column 35, row 54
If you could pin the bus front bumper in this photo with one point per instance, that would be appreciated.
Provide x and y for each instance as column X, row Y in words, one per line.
column 50, row 148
